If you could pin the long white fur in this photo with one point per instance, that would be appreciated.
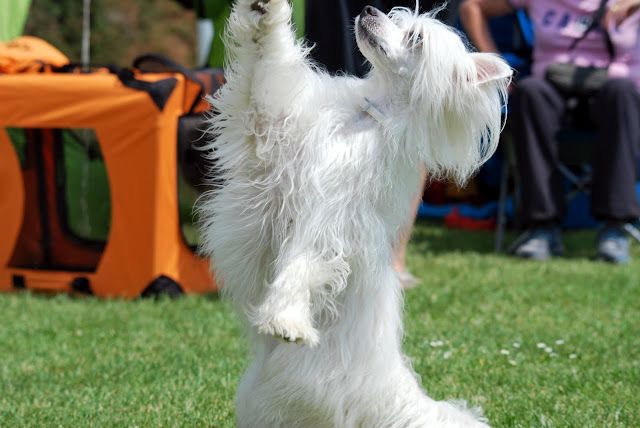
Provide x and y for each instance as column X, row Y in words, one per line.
column 315, row 193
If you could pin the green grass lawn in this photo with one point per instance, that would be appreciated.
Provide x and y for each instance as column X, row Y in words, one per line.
column 474, row 329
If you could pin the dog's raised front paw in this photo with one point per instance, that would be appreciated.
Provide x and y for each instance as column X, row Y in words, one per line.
column 291, row 325
column 260, row 6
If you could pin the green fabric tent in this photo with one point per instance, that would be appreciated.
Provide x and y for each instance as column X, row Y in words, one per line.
column 13, row 15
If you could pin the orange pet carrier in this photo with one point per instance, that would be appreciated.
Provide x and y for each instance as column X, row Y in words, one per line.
column 90, row 175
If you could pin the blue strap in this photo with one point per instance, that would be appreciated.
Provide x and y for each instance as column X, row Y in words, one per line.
column 525, row 26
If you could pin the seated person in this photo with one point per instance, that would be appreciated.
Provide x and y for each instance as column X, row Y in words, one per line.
column 584, row 33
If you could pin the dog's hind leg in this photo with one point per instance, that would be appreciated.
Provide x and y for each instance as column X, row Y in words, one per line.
column 248, row 414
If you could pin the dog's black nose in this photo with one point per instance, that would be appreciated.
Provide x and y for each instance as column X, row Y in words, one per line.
column 370, row 11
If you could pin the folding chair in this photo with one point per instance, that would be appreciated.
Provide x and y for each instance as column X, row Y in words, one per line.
column 575, row 154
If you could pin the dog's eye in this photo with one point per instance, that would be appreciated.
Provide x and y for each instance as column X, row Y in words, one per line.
column 413, row 38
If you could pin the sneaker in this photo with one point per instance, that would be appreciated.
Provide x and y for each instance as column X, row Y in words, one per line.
column 538, row 244
column 613, row 245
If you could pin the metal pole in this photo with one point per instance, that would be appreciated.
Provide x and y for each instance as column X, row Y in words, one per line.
column 86, row 34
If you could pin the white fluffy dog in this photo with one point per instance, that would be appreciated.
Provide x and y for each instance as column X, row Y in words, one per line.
column 319, row 174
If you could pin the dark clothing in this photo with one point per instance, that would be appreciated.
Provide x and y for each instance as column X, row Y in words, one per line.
column 537, row 111
column 329, row 25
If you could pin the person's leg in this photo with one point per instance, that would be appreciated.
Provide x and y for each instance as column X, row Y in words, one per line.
column 536, row 110
column 616, row 111
column 400, row 249
column 407, row 280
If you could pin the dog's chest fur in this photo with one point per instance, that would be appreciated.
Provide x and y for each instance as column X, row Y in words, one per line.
column 344, row 163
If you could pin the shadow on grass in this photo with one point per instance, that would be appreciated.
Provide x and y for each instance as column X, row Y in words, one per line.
column 434, row 237
column 74, row 296
column 212, row 297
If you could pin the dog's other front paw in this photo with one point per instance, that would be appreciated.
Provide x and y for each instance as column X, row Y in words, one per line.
column 260, row 6
column 291, row 325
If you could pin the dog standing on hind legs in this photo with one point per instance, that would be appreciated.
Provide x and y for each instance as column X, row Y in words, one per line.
column 319, row 174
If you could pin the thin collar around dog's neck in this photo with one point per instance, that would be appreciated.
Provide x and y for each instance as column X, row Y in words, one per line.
column 373, row 110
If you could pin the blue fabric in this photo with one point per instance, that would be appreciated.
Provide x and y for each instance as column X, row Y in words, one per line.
column 578, row 211
column 525, row 27
column 502, row 30
column 476, row 212
column 514, row 60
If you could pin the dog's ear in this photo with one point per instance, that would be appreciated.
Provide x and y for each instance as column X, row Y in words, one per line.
column 490, row 67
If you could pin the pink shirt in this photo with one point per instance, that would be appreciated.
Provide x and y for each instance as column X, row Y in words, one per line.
column 556, row 23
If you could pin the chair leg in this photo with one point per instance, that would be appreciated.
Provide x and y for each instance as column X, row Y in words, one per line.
column 501, row 220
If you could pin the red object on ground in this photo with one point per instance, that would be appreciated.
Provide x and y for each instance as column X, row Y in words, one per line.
column 455, row 220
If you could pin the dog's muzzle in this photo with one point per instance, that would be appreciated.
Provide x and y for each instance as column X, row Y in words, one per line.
column 369, row 11
column 369, row 23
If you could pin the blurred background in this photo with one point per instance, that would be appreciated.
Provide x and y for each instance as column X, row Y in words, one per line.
column 120, row 29
column 558, row 340
column 65, row 166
